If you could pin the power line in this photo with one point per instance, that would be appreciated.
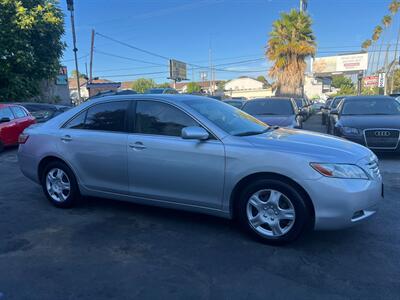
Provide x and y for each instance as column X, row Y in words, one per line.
column 129, row 58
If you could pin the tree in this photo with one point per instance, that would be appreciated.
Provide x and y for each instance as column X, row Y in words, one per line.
column 163, row 85
column 290, row 42
column 366, row 44
column 30, row 46
column 142, row 84
column 193, row 87
column 386, row 21
column 394, row 85
column 375, row 37
column 221, row 86
column 340, row 80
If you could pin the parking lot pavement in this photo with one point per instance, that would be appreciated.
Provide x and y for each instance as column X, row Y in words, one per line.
column 105, row 249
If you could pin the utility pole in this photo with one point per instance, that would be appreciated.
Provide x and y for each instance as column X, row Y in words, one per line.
column 91, row 57
column 70, row 7
column 210, row 68
column 386, row 70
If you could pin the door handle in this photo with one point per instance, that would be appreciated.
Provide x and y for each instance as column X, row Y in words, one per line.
column 66, row 138
column 137, row 146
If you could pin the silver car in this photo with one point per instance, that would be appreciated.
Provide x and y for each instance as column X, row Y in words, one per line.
column 202, row 155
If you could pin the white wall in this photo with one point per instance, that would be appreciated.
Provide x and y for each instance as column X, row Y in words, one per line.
column 243, row 84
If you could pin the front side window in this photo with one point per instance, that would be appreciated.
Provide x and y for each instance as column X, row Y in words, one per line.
column 6, row 113
column 160, row 119
column 19, row 112
column 110, row 116
column 78, row 122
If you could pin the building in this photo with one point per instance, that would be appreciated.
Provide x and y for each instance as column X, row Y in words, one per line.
column 317, row 87
column 248, row 88
column 90, row 89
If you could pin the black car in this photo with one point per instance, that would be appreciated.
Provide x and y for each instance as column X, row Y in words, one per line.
column 44, row 111
column 334, row 104
column 325, row 110
column 304, row 107
column 373, row 121
column 275, row 111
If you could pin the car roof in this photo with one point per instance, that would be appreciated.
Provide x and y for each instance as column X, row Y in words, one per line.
column 8, row 104
column 167, row 97
column 270, row 98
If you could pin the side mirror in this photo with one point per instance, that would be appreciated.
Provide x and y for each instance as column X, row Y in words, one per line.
column 5, row 120
column 194, row 133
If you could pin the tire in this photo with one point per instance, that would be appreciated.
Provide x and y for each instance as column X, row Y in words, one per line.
column 288, row 220
column 1, row 146
column 59, row 185
column 323, row 120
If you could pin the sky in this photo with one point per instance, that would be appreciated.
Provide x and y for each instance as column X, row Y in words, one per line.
column 236, row 31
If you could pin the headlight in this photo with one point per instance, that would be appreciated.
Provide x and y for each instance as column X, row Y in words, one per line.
column 340, row 170
column 351, row 131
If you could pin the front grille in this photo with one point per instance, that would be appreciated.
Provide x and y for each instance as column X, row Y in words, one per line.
column 382, row 138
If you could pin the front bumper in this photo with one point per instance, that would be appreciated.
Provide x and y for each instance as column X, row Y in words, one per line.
column 359, row 139
column 340, row 203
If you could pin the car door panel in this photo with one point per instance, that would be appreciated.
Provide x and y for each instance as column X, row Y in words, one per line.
column 177, row 170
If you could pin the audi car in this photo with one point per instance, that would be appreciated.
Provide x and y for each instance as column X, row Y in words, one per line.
column 372, row 121
column 275, row 111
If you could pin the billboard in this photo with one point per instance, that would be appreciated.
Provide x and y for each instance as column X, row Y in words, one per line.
column 62, row 76
column 351, row 63
column 370, row 81
column 177, row 70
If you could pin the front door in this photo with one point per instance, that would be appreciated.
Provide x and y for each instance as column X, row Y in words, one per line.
column 163, row 166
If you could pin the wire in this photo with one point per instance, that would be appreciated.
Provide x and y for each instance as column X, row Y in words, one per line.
column 129, row 58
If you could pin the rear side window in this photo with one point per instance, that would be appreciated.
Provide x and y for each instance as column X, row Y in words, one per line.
column 6, row 113
column 18, row 112
column 110, row 116
column 160, row 119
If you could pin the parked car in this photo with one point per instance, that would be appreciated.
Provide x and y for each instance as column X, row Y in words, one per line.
column 235, row 103
column 13, row 120
column 43, row 111
column 325, row 110
column 275, row 111
column 373, row 121
column 333, row 106
column 161, row 91
column 303, row 107
column 202, row 155
column 318, row 105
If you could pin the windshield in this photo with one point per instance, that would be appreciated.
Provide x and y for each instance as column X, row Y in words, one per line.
column 299, row 103
column 371, row 107
column 237, row 104
column 269, row 107
column 155, row 91
column 228, row 118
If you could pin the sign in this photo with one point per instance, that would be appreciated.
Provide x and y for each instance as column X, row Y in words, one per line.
column 177, row 70
column 62, row 77
column 370, row 81
column 351, row 63
column 381, row 80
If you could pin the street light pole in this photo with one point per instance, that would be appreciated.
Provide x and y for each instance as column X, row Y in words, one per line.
column 70, row 6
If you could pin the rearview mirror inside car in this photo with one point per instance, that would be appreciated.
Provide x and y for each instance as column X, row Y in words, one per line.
column 194, row 133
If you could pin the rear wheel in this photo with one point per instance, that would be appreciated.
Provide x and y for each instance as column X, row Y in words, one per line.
column 59, row 185
column 273, row 211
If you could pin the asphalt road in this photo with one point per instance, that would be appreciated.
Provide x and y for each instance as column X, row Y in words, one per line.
column 105, row 249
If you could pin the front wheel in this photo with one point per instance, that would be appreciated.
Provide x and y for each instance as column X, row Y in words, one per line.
column 59, row 185
column 273, row 211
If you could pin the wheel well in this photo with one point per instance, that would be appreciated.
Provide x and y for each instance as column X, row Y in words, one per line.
column 44, row 162
column 266, row 175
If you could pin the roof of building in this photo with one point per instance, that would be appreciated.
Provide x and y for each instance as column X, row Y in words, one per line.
column 82, row 81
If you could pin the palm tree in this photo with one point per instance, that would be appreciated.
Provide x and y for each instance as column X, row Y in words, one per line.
column 375, row 37
column 366, row 44
column 386, row 21
column 394, row 8
column 291, row 41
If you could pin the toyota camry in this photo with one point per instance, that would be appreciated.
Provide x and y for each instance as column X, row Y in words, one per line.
column 202, row 155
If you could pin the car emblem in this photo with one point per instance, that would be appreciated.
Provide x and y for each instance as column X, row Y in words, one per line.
column 382, row 133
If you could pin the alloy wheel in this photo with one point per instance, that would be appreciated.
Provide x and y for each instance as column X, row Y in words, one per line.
column 270, row 213
column 58, row 185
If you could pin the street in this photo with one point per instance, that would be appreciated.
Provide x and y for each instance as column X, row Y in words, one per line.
column 106, row 249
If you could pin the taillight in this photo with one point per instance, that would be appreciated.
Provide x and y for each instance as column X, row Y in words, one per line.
column 23, row 137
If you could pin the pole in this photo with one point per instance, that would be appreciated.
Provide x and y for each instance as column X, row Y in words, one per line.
column 210, row 68
column 359, row 82
column 75, row 55
column 386, row 69
column 91, row 57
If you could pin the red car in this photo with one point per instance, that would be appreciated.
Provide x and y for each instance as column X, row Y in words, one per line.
column 13, row 120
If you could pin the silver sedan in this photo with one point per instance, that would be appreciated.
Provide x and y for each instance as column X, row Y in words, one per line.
column 202, row 155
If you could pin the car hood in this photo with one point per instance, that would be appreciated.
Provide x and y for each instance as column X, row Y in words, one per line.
column 274, row 120
column 373, row 121
column 316, row 146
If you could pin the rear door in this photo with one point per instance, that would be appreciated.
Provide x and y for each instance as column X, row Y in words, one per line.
column 22, row 118
column 8, row 130
column 94, row 142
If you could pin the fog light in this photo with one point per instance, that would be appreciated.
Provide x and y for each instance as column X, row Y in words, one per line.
column 358, row 214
